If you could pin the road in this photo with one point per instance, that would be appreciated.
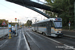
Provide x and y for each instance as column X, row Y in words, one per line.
column 69, row 33
column 15, row 43
column 29, row 40
column 41, row 42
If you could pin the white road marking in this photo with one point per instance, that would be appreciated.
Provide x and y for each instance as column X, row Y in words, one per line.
column 4, row 43
column 19, row 40
column 66, row 46
column 32, row 39
column 70, row 47
column 28, row 48
column 50, row 39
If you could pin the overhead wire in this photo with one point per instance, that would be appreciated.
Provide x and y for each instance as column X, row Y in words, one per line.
column 8, row 8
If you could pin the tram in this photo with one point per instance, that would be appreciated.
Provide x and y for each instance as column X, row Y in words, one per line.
column 49, row 27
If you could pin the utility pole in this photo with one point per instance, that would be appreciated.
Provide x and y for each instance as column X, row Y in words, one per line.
column 18, row 23
column 74, row 14
column 35, row 19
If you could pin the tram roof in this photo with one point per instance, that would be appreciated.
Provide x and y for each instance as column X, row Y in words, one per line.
column 50, row 19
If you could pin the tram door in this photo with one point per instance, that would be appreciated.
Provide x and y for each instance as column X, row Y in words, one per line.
column 48, row 28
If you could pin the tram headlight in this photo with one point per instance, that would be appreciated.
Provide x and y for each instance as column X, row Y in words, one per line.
column 58, row 31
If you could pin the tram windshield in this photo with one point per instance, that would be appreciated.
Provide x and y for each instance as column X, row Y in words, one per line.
column 58, row 24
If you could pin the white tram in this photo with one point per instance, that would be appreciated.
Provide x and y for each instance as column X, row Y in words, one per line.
column 49, row 27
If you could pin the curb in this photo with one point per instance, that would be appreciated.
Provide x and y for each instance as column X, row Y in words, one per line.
column 4, row 37
column 69, row 36
column 28, row 43
column 69, row 30
column 28, row 47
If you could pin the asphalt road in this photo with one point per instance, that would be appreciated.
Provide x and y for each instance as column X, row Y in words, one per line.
column 29, row 40
column 40, row 42
column 69, row 33
column 15, row 43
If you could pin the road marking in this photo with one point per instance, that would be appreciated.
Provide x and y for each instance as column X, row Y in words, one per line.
column 69, row 36
column 33, row 40
column 19, row 40
column 4, row 43
column 50, row 39
column 36, row 35
column 26, row 42
column 69, row 47
column 66, row 46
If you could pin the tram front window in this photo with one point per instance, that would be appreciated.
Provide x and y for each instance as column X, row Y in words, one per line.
column 58, row 24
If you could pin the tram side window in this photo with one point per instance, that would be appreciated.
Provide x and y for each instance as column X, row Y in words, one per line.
column 52, row 25
column 42, row 24
column 38, row 24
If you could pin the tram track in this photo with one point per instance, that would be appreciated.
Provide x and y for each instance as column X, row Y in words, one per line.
column 64, row 40
column 40, row 43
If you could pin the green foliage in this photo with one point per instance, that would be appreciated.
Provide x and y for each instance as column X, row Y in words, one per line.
column 28, row 23
column 67, row 10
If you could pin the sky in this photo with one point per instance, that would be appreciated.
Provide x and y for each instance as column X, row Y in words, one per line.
column 10, row 11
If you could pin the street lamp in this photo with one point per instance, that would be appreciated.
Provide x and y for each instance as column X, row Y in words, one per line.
column 35, row 19
column 19, row 23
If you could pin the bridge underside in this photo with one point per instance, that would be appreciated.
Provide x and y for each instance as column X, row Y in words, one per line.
column 29, row 4
column 33, row 4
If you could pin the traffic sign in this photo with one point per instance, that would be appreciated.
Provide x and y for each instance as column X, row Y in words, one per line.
column 69, row 23
column 15, row 19
column 9, row 25
column 3, row 23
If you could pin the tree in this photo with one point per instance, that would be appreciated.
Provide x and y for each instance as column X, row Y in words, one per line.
column 28, row 23
column 67, row 10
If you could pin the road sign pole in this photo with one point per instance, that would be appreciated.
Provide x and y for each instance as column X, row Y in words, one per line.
column 69, row 26
column 74, row 15
column 16, row 26
column 3, row 23
column 4, row 29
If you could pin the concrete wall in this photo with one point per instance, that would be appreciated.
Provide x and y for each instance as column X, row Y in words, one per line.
column 3, row 32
